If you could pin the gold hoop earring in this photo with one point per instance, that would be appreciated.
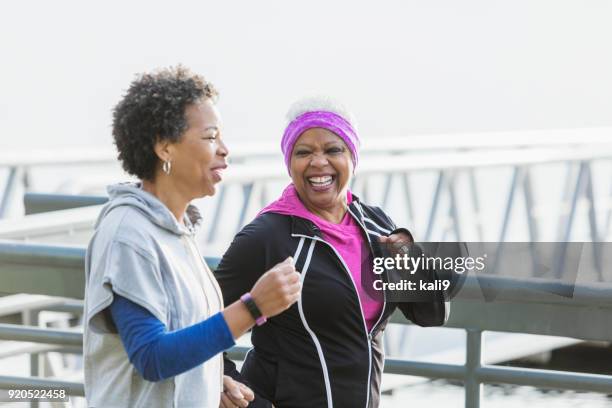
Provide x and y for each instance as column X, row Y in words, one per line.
column 167, row 167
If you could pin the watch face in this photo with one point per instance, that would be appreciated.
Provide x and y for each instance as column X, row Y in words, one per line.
column 252, row 307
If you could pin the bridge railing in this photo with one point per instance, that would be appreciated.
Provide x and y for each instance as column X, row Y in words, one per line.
column 519, row 307
column 23, row 167
column 470, row 195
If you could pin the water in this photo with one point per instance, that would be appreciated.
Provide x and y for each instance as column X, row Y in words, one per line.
column 443, row 394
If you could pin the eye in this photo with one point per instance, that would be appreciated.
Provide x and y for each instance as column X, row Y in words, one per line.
column 210, row 137
column 301, row 153
column 211, row 134
column 335, row 150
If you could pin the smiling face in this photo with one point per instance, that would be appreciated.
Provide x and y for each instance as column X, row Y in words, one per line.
column 199, row 158
column 321, row 168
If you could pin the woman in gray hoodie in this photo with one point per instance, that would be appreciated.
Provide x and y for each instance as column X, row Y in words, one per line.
column 155, row 322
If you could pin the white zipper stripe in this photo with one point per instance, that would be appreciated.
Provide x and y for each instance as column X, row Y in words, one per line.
column 368, row 334
column 371, row 221
column 365, row 327
column 378, row 234
column 308, row 329
column 361, row 224
column 297, row 251
column 369, row 242
column 386, row 231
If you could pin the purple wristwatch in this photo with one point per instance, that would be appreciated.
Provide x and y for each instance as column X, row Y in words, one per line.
column 248, row 301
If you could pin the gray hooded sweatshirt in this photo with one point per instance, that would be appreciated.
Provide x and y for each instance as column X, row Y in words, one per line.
column 142, row 253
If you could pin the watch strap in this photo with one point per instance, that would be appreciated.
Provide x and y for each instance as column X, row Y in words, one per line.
column 250, row 304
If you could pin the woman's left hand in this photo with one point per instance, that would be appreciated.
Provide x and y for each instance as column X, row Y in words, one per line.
column 400, row 237
column 235, row 394
column 396, row 243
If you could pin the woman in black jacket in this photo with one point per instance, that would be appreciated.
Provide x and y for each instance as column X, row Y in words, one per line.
column 326, row 350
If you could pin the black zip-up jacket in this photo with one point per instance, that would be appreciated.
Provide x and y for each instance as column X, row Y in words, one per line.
column 317, row 353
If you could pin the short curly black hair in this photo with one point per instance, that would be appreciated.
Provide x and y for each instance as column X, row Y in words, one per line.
column 154, row 109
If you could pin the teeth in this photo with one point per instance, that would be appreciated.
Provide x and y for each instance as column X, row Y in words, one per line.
column 320, row 180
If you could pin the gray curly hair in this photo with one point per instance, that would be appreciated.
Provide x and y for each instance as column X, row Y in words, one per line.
column 319, row 103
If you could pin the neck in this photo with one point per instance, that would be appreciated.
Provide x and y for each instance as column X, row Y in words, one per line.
column 333, row 214
column 163, row 189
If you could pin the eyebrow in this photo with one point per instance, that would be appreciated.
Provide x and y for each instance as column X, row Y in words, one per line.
column 335, row 142
column 206, row 129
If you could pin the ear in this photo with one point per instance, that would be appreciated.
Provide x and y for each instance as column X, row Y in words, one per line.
column 163, row 149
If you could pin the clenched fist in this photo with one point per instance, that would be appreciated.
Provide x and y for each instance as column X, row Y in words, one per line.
column 277, row 289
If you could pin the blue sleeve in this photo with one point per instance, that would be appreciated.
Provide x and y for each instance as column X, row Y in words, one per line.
column 158, row 354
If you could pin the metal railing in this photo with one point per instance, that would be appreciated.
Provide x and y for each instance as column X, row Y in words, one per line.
column 455, row 192
column 21, row 165
column 35, row 203
column 520, row 307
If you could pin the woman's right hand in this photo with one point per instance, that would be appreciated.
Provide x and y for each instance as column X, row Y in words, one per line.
column 277, row 289
column 274, row 292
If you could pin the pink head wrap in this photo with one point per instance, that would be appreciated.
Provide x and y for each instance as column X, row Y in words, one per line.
column 320, row 119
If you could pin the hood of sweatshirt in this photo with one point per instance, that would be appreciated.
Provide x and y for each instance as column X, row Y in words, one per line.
column 132, row 195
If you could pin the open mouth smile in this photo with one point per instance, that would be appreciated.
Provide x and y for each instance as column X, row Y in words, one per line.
column 321, row 183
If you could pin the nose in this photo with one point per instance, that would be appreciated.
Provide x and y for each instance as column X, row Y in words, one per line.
column 319, row 160
column 222, row 149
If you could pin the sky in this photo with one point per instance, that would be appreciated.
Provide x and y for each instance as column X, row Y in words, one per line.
column 404, row 68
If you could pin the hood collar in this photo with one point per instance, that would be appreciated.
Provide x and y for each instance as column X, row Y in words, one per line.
column 132, row 195
column 303, row 226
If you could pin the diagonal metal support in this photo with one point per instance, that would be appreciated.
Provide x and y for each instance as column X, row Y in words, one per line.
column 214, row 222
column 476, row 204
column 516, row 176
column 9, row 191
column 409, row 204
column 434, row 205
column 386, row 191
column 247, row 191
column 532, row 222
column 453, row 210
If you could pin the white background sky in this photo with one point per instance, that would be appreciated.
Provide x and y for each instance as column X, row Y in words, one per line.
column 403, row 67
